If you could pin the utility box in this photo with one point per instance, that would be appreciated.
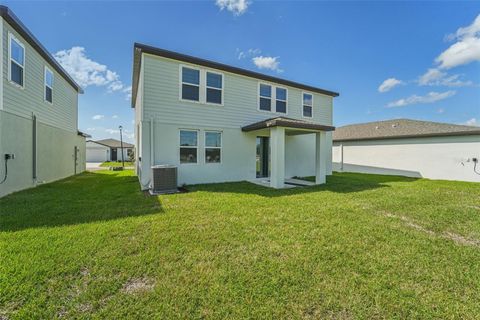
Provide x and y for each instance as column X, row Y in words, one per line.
column 164, row 179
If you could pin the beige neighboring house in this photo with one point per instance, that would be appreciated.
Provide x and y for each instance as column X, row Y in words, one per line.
column 409, row 148
column 39, row 137
column 108, row 150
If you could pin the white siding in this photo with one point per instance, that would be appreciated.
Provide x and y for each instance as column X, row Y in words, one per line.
column 161, row 100
column 434, row 158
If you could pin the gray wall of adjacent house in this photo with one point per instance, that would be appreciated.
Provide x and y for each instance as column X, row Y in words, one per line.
column 61, row 113
column 55, row 157
column 448, row 158
column 56, row 123
column 160, row 114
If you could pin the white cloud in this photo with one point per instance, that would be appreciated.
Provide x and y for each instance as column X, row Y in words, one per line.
column 237, row 7
column 436, row 77
column 430, row 97
column 90, row 129
column 115, row 116
column 112, row 131
column 466, row 49
column 441, row 110
column 128, row 92
column 98, row 117
column 389, row 84
column 472, row 122
column 247, row 54
column 270, row 63
column 87, row 72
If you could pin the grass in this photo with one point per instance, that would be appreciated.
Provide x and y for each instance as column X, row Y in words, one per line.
column 116, row 164
column 362, row 246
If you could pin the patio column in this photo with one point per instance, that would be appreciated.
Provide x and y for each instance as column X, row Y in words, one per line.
column 320, row 157
column 277, row 144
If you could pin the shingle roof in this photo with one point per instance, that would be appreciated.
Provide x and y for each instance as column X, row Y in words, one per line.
column 286, row 122
column 139, row 48
column 7, row 14
column 401, row 128
column 113, row 143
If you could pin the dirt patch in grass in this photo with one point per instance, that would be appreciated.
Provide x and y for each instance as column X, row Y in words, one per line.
column 138, row 285
column 455, row 237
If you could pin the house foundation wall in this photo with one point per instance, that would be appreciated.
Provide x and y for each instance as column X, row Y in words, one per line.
column 55, row 153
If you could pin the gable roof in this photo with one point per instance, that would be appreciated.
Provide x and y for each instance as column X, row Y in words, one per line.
column 16, row 24
column 401, row 128
column 286, row 122
column 113, row 143
column 139, row 48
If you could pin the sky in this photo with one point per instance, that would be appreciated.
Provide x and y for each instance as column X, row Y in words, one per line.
column 418, row 60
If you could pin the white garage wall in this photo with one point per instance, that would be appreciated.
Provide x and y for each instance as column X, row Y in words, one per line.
column 96, row 152
column 446, row 158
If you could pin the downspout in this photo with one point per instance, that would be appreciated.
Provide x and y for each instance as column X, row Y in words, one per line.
column 34, row 149
column 341, row 157
column 152, row 147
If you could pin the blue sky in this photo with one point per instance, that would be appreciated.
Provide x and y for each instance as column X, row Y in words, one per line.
column 426, row 54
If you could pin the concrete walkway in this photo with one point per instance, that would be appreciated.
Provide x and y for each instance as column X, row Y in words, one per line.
column 93, row 166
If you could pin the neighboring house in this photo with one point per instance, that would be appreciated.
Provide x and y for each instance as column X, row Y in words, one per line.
column 108, row 150
column 38, row 112
column 221, row 123
column 409, row 148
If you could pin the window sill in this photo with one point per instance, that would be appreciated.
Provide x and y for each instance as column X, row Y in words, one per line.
column 16, row 85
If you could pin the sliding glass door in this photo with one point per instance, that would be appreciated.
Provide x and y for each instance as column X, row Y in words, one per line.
column 263, row 157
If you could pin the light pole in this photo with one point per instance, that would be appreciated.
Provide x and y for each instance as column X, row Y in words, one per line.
column 121, row 145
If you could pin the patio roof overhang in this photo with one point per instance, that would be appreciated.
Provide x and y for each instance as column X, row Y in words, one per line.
column 286, row 123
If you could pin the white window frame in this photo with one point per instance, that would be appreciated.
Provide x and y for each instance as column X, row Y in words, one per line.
column 207, row 87
column 45, row 85
column 190, row 147
column 181, row 83
column 286, row 100
column 207, row 147
column 273, row 98
column 311, row 106
column 10, row 60
column 202, row 86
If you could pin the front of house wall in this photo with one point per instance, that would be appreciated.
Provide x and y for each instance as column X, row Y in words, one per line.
column 238, row 155
column 55, row 153
column 433, row 158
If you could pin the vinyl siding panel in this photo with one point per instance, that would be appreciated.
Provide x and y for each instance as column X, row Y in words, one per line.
column 161, row 101
column 23, row 102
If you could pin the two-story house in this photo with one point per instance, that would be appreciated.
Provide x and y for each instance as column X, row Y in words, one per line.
column 221, row 123
column 39, row 139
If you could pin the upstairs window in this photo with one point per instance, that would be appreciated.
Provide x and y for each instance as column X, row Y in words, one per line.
column 214, row 88
column 17, row 61
column 213, row 147
column 281, row 100
column 265, row 102
column 190, row 84
column 48, row 85
column 307, row 105
column 188, row 146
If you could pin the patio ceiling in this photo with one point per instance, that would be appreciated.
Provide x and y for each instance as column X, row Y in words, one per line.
column 287, row 123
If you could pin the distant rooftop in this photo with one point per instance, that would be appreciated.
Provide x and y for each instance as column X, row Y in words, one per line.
column 113, row 143
column 401, row 128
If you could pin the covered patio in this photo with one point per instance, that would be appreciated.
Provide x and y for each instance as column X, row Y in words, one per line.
column 279, row 127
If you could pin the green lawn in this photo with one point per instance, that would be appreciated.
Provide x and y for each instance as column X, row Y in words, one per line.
column 117, row 164
column 362, row 246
